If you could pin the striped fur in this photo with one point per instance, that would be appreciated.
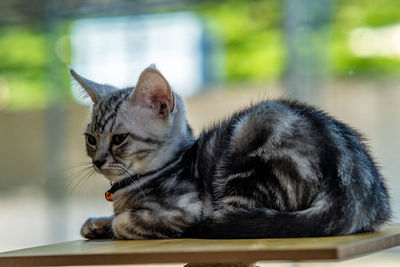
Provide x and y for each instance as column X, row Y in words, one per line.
column 276, row 169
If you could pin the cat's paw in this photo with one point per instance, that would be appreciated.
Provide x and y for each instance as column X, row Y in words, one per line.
column 97, row 228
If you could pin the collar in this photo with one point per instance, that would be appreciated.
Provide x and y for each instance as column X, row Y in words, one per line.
column 131, row 179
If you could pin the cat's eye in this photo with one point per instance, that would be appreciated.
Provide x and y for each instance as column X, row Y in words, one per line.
column 118, row 139
column 91, row 140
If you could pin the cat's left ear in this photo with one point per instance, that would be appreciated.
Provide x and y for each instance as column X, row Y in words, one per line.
column 95, row 90
column 153, row 91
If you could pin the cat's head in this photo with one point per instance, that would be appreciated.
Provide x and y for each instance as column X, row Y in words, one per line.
column 134, row 130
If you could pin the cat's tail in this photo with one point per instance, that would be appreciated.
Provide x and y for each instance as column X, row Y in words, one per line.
column 264, row 223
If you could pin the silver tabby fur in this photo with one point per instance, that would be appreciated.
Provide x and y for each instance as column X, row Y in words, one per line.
column 276, row 169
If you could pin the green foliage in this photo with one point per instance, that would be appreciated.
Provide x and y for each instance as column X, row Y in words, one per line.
column 251, row 33
column 32, row 62
column 254, row 37
column 27, row 58
column 352, row 14
column 22, row 61
column 357, row 13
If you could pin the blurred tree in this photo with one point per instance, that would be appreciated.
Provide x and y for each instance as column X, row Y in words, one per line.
column 22, row 62
column 254, row 38
column 352, row 14
column 251, row 31
column 24, row 59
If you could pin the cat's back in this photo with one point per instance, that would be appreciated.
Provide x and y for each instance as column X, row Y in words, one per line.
column 279, row 127
column 277, row 124
column 258, row 142
column 287, row 156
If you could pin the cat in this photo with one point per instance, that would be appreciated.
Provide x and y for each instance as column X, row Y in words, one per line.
column 279, row 168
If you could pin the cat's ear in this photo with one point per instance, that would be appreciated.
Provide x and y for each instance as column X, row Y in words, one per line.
column 95, row 90
column 153, row 91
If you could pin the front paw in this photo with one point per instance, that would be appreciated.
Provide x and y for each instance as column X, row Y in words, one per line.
column 97, row 228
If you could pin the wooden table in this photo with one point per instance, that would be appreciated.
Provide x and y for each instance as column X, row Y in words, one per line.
column 103, row 252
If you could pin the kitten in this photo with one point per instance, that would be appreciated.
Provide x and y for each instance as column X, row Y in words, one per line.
column 275, row 169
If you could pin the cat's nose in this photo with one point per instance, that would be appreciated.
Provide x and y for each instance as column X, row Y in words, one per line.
column 99, row 163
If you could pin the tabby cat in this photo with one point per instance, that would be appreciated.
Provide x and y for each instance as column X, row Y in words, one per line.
column 276, row 169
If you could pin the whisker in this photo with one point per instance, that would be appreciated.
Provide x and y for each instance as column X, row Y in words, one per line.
column 83, row 181
column 127, row 172
column 74, row 167
column 73, row 180
column 78, row 177
column 76, row 185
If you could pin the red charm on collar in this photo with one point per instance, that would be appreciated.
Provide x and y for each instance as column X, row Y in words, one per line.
column 109, row 196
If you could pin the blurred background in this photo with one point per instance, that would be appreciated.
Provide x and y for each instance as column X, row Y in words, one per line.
column 340, row 55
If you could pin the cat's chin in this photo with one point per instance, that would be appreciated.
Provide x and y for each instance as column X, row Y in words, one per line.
column 112, row 175
column 113, row 178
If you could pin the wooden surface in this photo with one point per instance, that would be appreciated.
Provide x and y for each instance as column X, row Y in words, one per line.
column 105, row 252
